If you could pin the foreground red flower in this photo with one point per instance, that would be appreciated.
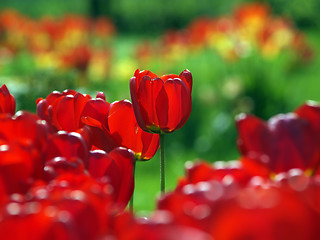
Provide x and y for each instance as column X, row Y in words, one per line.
column 161, row 104
column 117, row 168
column 23, row 139
column 286, row 141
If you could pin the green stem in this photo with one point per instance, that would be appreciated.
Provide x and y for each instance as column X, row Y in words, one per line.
column 131, row 200
column 162, row 164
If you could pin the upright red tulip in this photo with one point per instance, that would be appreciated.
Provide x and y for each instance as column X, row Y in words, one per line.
column 7, row 101
column 161, row 104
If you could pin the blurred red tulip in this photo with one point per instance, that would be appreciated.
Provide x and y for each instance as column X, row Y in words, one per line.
column 161, row 104
column 70, row 207
column 117, row 167
column 22, row 144
column 286, row 141
column 7, row 101
column 237, row 171
column 67, row 145
column 159, row 226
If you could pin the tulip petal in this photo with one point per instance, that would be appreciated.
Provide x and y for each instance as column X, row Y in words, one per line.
column 124, row 158
column 186, row 77
column 65, row 114
column 148, row 92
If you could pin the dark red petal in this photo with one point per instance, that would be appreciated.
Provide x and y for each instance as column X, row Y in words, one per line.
column 311, row 112
column 296, row 143
column 96, row 109
column 99, row 162
column 42, row 110
column 79, row 104
column 254, row 137
column 7, row 101
column 65, row 114
column 186, row 77
column 179, row 106
column 124, row 158
column 125, row 131
column 101, row 95
column 147, row 94
column 186, row 105
column 135, row 103
column 150, row 145
column 101, row 136
column 123, row 126
column 162, row 105
column 67, row 145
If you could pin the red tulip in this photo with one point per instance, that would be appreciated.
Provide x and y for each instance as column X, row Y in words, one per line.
column 66, row 152
column 63, row 111
column 161, row 104
column 7, row 101
column 120, row 128
column 117, row 167
column 236, row 171
column 158, row 227
column 22, row 143
column 70, row 207
column 68, row 145
column 286, row 141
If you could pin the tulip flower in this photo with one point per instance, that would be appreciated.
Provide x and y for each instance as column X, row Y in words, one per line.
column 63, row 111
column 7, row 101
column 23, row 138
column 161, row 104
column 286, row 141
column 119, row 128
column 117, row 166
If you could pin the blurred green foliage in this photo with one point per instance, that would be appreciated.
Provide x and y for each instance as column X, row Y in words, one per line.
column 153, row 17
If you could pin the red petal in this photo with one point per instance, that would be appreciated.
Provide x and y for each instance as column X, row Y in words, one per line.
column 65, row 114
column 147, row 95
column 186, row 77
column 67, row 145
column 124, row 158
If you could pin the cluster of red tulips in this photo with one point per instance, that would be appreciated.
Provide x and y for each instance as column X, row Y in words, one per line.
column 67, row 172
column 72, row 42
column 250, row 29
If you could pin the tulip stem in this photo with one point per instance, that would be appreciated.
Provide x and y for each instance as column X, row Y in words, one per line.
column 162, row 164
column 131, row 200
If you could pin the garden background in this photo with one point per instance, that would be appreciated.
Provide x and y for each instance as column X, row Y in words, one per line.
column 234, row 71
